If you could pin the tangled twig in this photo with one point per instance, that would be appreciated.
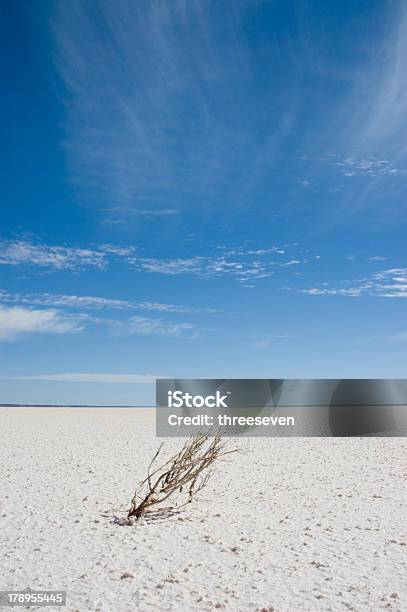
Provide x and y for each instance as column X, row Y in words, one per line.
column 188, row 470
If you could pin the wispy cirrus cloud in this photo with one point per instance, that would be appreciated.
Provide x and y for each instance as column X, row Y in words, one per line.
column 151, row 326
column 123, row 145
column 170, row 73
column 291, row 262
column 243, row 264
column 383, row 114
column 391, row 283
column 371, row 166
column 97, row 303
column 373, row 121
column 208, row 267
column 28, row 253
column 360, row 156
column 156, row 306
column 378, row 258
column 144, row 326
column 177, row 78
column 16, row 321
column 371, row 116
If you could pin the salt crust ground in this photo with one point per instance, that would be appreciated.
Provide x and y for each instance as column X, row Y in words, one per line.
column 291, row 525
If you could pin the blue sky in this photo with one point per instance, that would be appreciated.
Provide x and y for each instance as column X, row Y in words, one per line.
column 200, row 189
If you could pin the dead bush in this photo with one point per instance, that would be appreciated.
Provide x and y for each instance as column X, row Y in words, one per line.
column 188, row 472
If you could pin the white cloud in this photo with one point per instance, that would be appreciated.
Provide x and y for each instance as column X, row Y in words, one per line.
column 125, row 252
column 194, row 265
column 174, row 308
column 375, row 118
column 57, row 257
column 93, row 378
column 23, row 252
column 75, row 301
column 262, row 251
column 147, row 326
column 387, row 107
column 17, row 320
column 166, row 123
column 240, row 263
column 368, row 125
column 391, row 283
column 372, row 167
column 98, row 303
column 351, row 292
column 149, row 64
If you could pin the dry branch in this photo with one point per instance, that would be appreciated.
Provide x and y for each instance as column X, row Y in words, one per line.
column 188, row 471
